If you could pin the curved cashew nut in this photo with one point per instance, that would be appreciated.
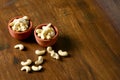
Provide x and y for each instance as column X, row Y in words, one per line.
column 62, row 53
column 28, row 62
column 20, row 24
column 39, row 61
column 47, row 32
column 39, row 52
column 26, row 68
column 49, row 49
column 19, row 46
column 38, row 31
column 26, row 17
column 36, row 68
column 54, row 55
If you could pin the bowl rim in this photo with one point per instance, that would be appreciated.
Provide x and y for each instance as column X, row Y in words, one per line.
column 44, row 24
column 17, row 17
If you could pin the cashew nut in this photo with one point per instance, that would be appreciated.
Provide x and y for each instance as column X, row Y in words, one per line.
column 63, row 53
column 47, row 32
column 49, row 49
column 49, row 25
column 38, row 30
column 36, row 68
column 54, row 55
column 26, row 17
column 39, row 61
column 39, row 52
column 19, row 46
column 28, row 62
column 26, row 68
column 20, row 24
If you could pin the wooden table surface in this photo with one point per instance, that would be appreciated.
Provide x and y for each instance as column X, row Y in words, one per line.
column 88, row 29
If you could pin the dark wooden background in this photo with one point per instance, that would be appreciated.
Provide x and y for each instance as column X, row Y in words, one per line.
column 88, row 29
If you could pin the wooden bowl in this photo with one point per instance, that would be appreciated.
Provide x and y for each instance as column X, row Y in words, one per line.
column 45, row 43
column 20, row 35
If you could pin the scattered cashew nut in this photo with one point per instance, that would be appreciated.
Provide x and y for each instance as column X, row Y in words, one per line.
column 26, row 68
column 28, row 62
column 36, row 68
column 49, row 49
column 39, row 61
column 54, row 55
column 19, row 46
column 62, row 53
column 40, row 52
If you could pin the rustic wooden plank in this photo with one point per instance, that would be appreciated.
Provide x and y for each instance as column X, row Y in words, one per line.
column 88, row 30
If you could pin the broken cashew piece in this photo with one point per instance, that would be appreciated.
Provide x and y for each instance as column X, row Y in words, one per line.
column 28, row 62
column 39, row 52
column 39, row 61
column 62, row 53
column 26, row 68
column 36, row 68
column 19, row 46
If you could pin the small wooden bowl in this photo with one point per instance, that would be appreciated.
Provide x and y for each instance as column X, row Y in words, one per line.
column 20, row 35
column 45, row 43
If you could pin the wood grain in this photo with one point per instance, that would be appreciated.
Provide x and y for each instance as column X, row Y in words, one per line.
column 88, row 29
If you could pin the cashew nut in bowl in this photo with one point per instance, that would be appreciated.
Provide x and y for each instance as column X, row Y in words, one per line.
column 38, row 30
column 63, row 53
column 47, row 32
column 26, row 68
column 19, row 46
column 39, row 61
column 36, row 68
column 20, row 24
column 40, row 52
column 28, row 62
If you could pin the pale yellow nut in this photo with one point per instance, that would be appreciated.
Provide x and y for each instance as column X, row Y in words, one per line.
column 25, row 17
column 62, row 53
column 14, row 28
column 47, row 32
column 49, row 49
column 21, row 20
column 39, row 52
column 39, row 34
column 38, row 30
column 26, row 68
column 39, row 61
column 43, row 27
column 36, row 68
column 54, row 55
column 48, row 37
column 19, row 46
column 48, row 25
column 52, row 33
column 23, row 28
column 11, row 24
column 20, row 24
column 26, row 63
column 42, row 37
column 44, row 33
column 14, row 21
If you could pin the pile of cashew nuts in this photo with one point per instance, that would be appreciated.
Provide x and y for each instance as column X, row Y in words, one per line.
column 37, row 66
